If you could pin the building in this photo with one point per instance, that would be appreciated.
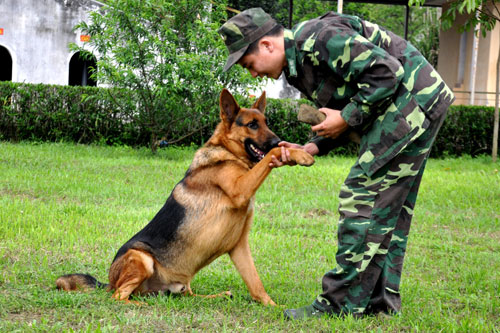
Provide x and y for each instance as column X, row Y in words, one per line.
column 34, row 39
column 468, row 63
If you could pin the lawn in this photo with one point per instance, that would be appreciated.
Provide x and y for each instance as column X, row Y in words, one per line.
column 67, row 208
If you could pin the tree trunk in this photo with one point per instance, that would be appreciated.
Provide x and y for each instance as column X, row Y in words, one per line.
column 494, row 151
column 154, row 143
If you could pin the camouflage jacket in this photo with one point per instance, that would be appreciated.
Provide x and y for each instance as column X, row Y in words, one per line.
column 386, row 90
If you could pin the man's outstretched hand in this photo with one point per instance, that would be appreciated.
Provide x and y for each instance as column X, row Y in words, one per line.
column 285, row 159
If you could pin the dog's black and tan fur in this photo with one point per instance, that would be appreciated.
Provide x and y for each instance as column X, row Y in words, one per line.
column 208, row 214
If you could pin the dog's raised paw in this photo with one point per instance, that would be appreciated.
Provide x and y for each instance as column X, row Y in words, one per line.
column 302, row 158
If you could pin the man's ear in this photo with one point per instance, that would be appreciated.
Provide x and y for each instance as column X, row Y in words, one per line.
column 229, row 108
column 260, row 104
column 266, row 44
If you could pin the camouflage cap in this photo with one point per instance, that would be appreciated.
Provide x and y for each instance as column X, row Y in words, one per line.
column 242, row 30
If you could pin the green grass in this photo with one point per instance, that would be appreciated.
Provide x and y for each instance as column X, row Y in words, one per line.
column 67, row 208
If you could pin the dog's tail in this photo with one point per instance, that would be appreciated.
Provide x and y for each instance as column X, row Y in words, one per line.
column 71, row 282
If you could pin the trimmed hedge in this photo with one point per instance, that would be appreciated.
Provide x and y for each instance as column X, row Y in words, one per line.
column 62, row 113
column 467, row 130
column 93, row 115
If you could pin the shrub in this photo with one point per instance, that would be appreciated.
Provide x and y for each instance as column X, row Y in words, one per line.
column 467, row 130
column 112, row 116
column 77, row 114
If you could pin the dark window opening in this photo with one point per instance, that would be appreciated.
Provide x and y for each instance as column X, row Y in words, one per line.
column 5, row 65
column 80, row 70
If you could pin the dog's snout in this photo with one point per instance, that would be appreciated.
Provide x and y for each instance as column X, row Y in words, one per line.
column 274, row 142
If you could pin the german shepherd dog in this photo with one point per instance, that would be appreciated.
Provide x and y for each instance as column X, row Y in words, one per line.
column 208, row 214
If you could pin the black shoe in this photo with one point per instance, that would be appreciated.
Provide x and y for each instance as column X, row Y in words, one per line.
column 308, row 311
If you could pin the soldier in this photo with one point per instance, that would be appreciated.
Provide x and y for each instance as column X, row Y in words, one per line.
column 367, row 79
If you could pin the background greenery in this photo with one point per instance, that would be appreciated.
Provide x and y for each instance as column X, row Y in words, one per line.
column 67, row 208
column 90, row 115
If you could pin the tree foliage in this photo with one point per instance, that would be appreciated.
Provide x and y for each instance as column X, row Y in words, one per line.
column 484, row 12
column 170, row 54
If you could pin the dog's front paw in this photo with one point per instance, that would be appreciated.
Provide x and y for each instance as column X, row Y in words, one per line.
column 271, row 303
column 266, row 301
column 301, row 157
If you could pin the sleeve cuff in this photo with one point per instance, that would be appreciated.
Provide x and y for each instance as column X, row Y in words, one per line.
column 352, row 115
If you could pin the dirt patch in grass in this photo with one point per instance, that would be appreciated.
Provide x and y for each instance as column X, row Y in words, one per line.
column 317, row 212
column 28, row 195
column 20, row 318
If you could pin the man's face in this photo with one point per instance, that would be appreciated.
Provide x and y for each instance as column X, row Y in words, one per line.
column 267, row 61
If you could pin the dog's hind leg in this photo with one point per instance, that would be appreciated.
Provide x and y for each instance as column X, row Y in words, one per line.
column 128, row 272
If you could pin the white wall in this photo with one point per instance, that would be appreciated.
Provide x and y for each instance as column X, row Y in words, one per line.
column 37, row 34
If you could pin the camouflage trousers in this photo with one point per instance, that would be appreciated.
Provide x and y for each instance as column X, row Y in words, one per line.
column 375, row 218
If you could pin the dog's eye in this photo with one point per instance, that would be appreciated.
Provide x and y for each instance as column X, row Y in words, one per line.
column 253, row 125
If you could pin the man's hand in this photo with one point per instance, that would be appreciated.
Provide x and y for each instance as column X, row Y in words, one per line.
column 311, row 148
column 332, row 126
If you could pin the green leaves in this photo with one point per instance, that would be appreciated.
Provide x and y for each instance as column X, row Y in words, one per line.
column 485, row 13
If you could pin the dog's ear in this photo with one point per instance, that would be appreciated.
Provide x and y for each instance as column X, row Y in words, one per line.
column 229, row 108
column 260, row 104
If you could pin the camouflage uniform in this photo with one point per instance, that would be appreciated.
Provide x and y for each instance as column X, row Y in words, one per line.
column 389, row 93
column 392, row 96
